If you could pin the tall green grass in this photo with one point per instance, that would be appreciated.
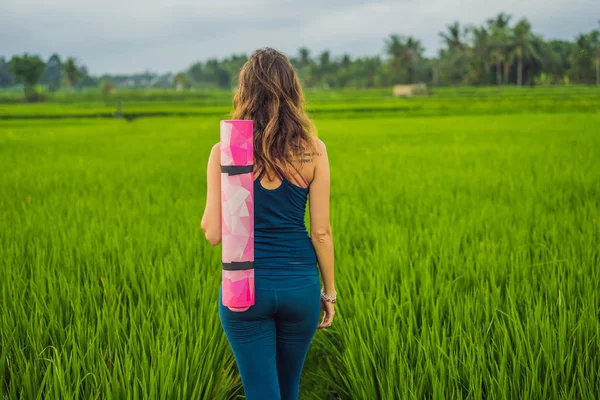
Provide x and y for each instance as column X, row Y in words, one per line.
column 467, row 260
column 467, row 257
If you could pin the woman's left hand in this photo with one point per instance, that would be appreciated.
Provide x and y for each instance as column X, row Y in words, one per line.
column 329, row 309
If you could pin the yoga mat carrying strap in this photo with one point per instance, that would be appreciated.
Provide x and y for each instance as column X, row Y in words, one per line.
column 236, row 169
column 238, row 266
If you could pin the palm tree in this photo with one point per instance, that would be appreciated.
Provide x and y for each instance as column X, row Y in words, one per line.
column 395, row 50
column 481, row 48
column 412, row 57
column 325, row 66
column 405, row 54
column 523, row 46
column 455, row 59
column 499, row 39
column 455, row 37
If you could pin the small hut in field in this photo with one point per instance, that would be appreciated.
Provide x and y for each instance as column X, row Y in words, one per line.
column 416, row 89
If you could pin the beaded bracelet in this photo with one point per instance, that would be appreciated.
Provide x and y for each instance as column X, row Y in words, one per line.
column 327, row 298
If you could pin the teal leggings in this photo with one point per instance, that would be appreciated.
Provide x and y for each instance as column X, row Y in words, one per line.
column 271, row 339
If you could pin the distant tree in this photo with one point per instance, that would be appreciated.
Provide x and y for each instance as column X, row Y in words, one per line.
column 53, row 73
column 304, row 56
column 86, row 80
column 585, row 61
column 6, row 77
column 319, row 72
column 413, row 57
column 28, row 69
column 324, row 61
column 524, row 48
column 455, row 37
column 405, row 54
column 595, row 50
column 395, row 49
column 468, row 56
column 481, row 52
column 534, row 67
column 343, row 74
column 556, row 60
column 303, row 64
column 229, row 69
column 346, row 61
column 72, row 72
column 181, row 81
column 371, row 65
column 455, row 60
column 499, row 39
column 195, row 72
column 217, row 74
column 364, row 72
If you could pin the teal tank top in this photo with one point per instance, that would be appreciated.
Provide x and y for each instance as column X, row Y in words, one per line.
column 282, row 245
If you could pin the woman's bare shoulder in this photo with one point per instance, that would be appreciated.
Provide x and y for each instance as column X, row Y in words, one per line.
column 320, row 146
column 311, row 157
column 317, row 149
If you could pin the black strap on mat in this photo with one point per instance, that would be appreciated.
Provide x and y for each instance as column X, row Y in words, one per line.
column 238, row 265
column 236, row 169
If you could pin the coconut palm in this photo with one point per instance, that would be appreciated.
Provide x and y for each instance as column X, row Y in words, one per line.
column 499, row 40
column 455, row 37
column 524, row 48
column 394, row 47
column 481, row 48
column 405, row 53
column 412, row 57
column 455, row 57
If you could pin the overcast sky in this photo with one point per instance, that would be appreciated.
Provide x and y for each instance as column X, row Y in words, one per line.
column 125, row 36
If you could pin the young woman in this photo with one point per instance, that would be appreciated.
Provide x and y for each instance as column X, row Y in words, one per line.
column 270, row 340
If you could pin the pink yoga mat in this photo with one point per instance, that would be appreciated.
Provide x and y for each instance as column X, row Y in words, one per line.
column 237, row 213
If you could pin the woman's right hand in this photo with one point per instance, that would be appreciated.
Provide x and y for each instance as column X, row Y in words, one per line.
column 329, row 309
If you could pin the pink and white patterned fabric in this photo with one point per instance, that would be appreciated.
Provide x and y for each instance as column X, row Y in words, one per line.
column 237, row 213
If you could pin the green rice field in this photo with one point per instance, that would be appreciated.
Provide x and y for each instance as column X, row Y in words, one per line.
column 467, row 251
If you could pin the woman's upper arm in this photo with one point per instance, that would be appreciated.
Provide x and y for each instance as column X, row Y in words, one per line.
column 319, row 193
column 211, row 221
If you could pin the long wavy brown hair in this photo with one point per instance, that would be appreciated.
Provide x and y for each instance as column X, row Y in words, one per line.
column 269, row 92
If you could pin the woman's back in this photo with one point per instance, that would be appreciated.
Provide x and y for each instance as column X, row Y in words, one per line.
column 282, row 245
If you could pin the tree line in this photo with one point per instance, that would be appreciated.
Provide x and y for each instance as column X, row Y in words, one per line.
column 497, row 52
